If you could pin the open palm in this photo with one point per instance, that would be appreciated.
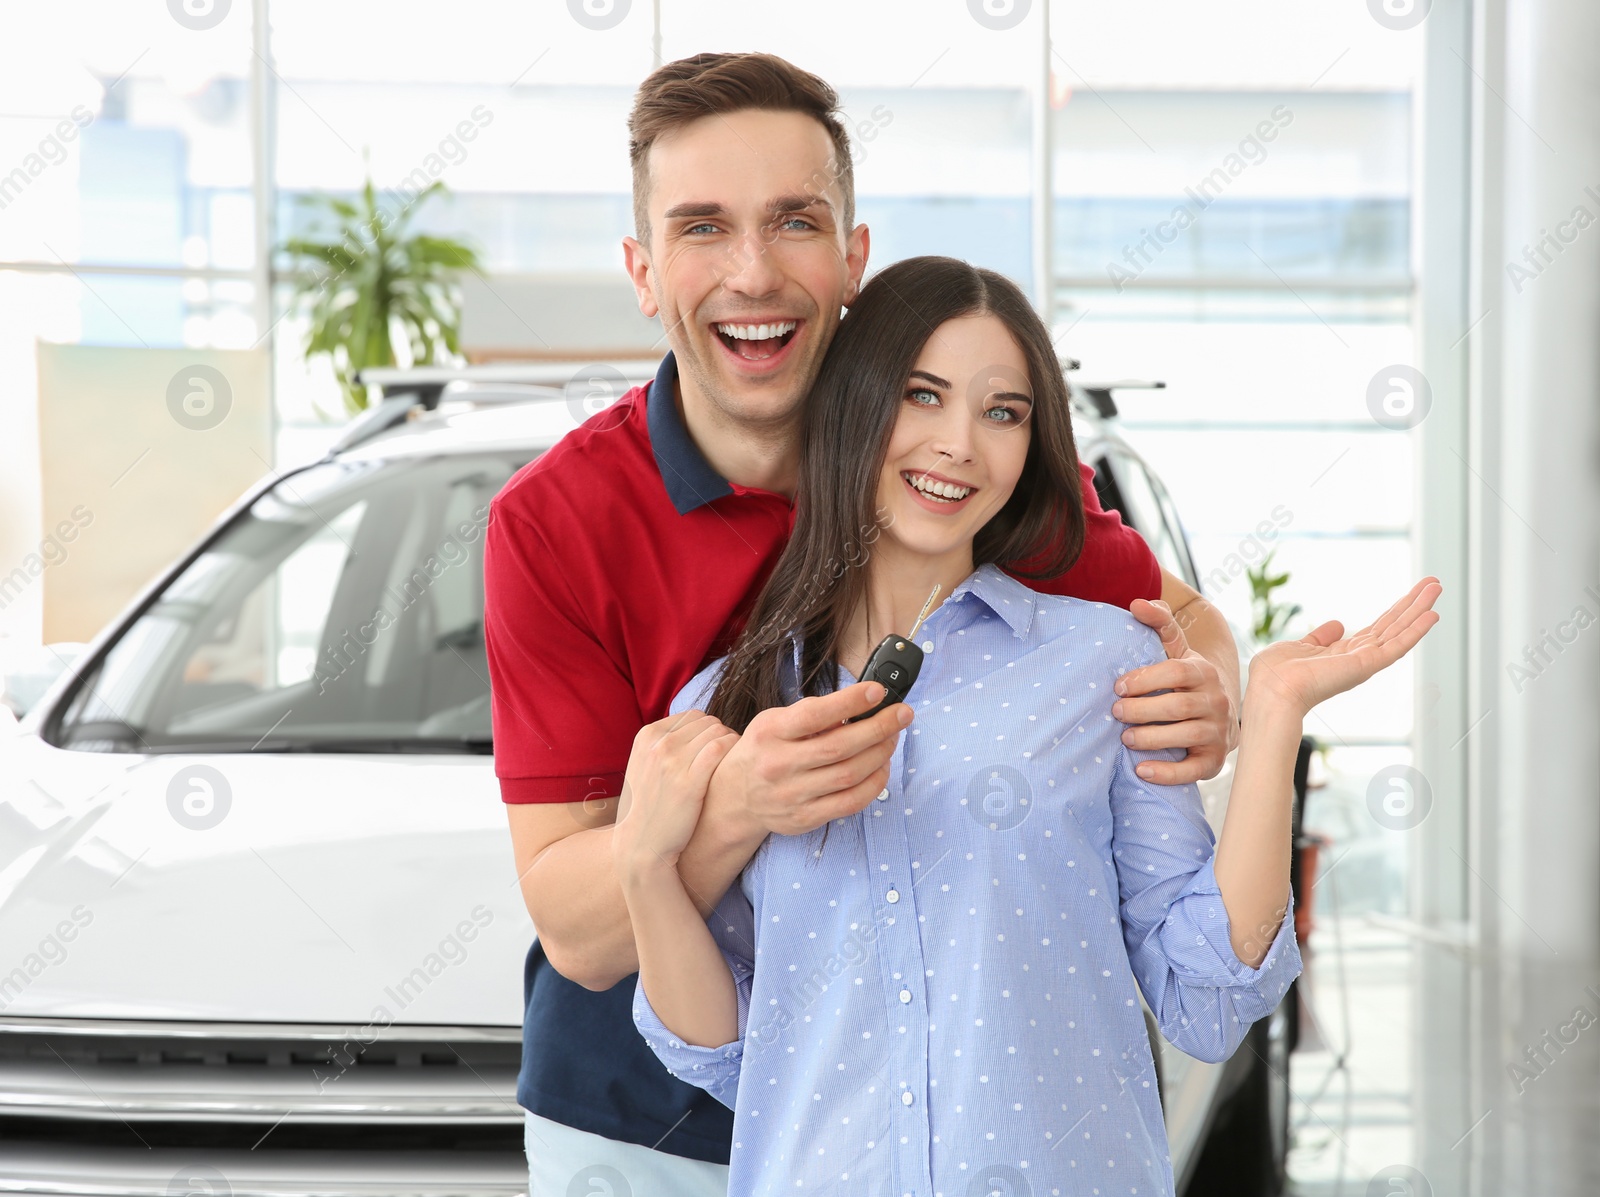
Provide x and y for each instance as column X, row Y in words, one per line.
column 1304, row 672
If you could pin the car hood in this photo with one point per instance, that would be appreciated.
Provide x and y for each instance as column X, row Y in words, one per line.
column 279, row 888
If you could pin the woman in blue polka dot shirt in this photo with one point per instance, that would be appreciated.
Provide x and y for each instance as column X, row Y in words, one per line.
column 938, row 994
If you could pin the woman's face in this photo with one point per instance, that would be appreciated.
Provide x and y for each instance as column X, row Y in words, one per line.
column 961, row 437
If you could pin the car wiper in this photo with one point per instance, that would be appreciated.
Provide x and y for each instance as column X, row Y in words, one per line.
column 413, row 744
column 377, row 745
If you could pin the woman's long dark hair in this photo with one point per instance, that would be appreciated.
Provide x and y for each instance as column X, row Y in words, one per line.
column 849, row 418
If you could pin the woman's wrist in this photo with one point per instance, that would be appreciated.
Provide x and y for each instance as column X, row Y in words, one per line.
column 1267, row 705
column 646, row 874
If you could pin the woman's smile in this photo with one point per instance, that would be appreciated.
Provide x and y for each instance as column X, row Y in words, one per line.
column 937, row 492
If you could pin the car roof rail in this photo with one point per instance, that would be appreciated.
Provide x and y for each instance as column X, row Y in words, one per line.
column 547, row 373
column 384, row 415
column 423, row 387
column 1100, row 392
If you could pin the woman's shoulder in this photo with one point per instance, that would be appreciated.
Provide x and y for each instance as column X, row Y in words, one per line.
column 1111, row 630
column 697, row 691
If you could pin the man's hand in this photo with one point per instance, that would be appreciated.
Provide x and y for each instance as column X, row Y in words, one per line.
column 1200, row 714
column 797, row 767
column 664, row 788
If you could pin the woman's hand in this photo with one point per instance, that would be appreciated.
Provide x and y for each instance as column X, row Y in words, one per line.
column 664, row 789
column 1298, row 674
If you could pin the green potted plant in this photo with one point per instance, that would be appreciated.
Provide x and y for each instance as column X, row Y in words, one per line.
column 371, row 280
column 1268, row 618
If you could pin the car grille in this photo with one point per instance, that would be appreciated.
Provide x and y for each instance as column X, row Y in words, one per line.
column 116, row 1108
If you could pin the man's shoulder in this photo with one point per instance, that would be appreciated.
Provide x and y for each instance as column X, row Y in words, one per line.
column 599, row 465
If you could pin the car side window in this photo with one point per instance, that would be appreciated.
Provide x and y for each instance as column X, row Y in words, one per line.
column 1139, row 501
column 344, row 607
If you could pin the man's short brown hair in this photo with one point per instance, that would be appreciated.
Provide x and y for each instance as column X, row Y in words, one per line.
column 711, row 84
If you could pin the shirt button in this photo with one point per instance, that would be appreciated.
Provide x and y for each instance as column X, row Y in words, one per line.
column 883, row 794
column 905, row 995
column 892, row 896
column 906, row 1098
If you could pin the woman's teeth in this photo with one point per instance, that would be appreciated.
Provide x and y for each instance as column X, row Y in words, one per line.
column 939, row 492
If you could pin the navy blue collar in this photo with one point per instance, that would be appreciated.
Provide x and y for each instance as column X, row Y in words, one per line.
column 690, row 480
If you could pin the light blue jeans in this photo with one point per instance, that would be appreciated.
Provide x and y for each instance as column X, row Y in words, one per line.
column 566, row 1162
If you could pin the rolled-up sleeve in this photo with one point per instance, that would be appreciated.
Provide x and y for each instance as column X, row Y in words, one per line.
column 1174, row 923
column 714, row 1069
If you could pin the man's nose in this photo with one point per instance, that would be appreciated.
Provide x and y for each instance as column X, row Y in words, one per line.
column 751, row 268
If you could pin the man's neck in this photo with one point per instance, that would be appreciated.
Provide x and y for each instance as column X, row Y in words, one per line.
column 765, row 457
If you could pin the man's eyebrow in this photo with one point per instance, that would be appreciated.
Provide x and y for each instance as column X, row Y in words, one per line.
column 799, row 202
column 701, row 208
column 933, row 378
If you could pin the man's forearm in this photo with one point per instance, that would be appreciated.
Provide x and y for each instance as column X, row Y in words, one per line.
column 1208, row 634
column 572, row 892
column 587, row 933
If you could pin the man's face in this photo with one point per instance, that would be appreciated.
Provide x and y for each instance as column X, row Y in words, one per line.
column 748, row 262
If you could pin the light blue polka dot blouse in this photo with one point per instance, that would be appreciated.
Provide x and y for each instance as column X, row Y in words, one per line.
column 946, row 1000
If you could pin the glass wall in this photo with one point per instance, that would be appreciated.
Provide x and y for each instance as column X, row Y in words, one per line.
column 1231, row 210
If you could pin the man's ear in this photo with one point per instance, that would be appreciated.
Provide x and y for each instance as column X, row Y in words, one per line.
column 856, row 247
column 637, row 260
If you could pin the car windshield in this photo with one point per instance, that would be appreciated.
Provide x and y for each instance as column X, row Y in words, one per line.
column 342, row 612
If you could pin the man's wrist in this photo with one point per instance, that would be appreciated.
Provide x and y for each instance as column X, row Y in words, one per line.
column 725, row 824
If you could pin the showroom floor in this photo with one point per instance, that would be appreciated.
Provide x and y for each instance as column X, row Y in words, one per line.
column 1348, row 1123
column 1350, row 1078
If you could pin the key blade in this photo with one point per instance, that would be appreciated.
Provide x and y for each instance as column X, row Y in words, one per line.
column 924, row 615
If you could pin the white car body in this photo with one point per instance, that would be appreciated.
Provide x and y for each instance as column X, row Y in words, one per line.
column 341, row 905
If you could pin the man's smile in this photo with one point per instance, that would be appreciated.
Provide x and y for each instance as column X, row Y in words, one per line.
column 756, row 340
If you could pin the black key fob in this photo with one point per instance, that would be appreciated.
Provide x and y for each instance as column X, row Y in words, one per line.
column 895, row 663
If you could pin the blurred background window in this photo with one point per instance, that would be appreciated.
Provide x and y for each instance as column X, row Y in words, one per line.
column 1231, row 212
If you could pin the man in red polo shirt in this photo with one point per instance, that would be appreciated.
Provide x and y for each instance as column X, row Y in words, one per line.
column 621, row 561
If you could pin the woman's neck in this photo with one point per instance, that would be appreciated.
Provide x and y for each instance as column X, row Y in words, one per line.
column 898, row 584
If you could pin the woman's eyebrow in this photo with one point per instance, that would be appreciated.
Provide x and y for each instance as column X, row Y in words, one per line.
column 933, row 378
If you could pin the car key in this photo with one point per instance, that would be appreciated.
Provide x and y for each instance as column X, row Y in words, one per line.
column 895, row 664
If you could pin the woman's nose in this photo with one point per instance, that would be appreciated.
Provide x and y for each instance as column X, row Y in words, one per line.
column 953, row 440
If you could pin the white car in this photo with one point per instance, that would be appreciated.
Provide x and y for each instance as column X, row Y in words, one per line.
column 259, row 925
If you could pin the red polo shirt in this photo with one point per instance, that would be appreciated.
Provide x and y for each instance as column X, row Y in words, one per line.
column 619, row 563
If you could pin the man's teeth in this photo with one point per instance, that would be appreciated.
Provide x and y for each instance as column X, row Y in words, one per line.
column 757, row 332
column 945, row 491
